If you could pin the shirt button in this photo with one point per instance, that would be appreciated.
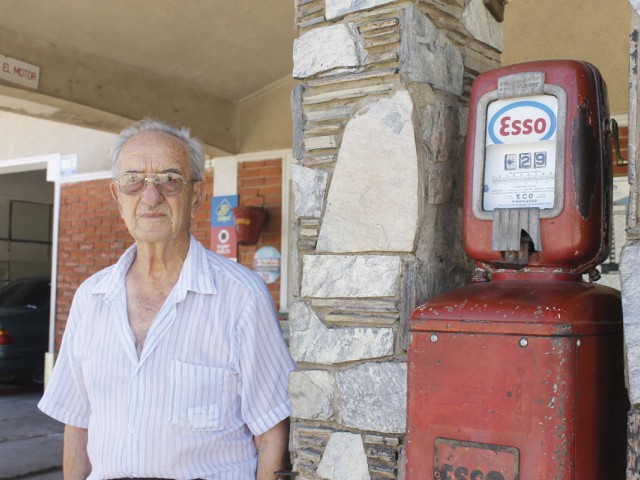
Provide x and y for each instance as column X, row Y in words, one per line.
column 132, row 430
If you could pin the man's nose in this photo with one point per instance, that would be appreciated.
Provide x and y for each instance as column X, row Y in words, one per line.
column 150, row 193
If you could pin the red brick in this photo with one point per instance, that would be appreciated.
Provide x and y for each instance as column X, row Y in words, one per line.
column 275, row 171
column 248, row 192
column 252, row 182
column 244, row 166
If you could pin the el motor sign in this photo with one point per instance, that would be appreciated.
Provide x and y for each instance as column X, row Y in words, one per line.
column 19, row 72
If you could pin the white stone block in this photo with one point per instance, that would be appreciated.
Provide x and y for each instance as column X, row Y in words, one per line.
column 309, row 188
column 379, row 211
column 374, row 397
column 480, row 23
column 312, row 394
column 312, row 342
column 339, row 8
column 320, row 143
column 350, row 276
column 336, row 47
column 630, row 280
column 344, row 458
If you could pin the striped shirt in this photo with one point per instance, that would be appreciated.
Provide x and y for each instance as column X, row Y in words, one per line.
column 212, row 374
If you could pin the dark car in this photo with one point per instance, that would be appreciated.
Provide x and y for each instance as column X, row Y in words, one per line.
column 24, row 327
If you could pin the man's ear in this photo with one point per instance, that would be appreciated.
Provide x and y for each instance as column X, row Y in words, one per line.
column 115, row 194
column 198, row 197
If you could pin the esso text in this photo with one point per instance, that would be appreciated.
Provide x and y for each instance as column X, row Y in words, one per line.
column 521, row 121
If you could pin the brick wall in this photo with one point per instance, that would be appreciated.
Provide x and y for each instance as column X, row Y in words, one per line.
column 92, row 235
column 257, row 181
column 623, row 135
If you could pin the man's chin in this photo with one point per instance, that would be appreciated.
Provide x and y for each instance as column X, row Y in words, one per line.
column 164, row 234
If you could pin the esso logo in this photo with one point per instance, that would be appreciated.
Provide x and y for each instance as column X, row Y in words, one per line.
column 522, row 121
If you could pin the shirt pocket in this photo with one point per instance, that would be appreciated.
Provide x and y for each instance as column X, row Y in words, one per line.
column 199, row 396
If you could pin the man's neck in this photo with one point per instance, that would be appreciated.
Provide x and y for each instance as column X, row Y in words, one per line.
column 160, row 261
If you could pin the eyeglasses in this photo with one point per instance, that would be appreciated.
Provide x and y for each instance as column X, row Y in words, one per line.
column 167, row 184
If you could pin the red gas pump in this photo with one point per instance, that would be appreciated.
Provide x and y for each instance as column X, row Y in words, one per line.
column 520, row 374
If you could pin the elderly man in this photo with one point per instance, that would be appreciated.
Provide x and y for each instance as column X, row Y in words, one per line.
column 172, row 363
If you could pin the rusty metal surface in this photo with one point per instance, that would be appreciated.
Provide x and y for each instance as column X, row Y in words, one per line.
column 489, row 389
column 485, row 461
column 534, row 369
column 512, row 305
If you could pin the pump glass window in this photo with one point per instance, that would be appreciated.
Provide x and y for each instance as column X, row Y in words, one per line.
column 520, row 154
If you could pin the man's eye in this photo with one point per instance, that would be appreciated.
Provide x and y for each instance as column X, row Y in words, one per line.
column 132, row 178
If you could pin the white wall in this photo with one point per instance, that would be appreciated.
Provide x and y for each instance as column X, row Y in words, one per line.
column 22, row 136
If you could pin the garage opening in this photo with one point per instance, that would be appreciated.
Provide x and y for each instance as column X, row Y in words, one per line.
column 26, row 215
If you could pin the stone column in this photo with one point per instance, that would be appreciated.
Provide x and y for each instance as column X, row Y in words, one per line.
column 379, row 129
column 630, row 261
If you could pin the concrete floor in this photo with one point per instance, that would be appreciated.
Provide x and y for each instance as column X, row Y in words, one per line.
column 30, row 442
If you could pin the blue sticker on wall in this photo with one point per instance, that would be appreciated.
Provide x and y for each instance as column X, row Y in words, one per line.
column 266, row 262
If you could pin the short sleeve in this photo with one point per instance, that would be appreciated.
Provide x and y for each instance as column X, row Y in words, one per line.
column 265, row 363
column 65, row 397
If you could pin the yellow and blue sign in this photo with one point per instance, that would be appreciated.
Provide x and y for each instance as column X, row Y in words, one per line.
column 222, row 210
column 224, row 238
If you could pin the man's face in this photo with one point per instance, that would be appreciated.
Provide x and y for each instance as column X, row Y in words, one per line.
column 148, row 215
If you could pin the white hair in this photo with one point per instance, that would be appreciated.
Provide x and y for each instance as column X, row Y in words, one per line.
column 193, row 145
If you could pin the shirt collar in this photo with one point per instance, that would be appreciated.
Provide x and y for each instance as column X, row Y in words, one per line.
column 194, row 276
